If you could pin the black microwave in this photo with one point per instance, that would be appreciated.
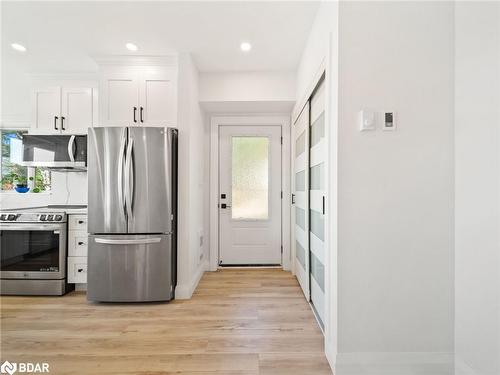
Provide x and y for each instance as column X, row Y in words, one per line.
column 61, row 152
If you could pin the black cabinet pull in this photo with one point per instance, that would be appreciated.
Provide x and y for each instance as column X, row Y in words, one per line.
column 80, row 243
column 142, row 110
column 135, row 112
column 62, row 122
column 55, row 122
column 80, row 269
column 81, row 221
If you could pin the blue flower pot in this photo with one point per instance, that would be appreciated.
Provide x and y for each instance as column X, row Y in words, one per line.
column 22, row 189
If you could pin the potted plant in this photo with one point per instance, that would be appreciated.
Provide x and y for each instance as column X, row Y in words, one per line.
column 21, row 183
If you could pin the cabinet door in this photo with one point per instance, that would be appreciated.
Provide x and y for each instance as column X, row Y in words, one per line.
column 158, row 102
column 77, row 110
column 46, row 110
column 119, row 100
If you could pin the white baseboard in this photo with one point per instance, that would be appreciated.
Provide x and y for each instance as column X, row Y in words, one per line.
column 331, row 356
column 397, row 363
column 185, row 291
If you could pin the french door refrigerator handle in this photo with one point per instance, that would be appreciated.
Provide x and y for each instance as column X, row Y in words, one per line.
column 129, row 178
column 121, row 155
column 71, row 152
column 109, row 241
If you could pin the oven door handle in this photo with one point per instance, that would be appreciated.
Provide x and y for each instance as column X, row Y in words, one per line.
column 45, row 227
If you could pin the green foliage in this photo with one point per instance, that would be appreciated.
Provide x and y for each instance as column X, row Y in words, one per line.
column 14, row 174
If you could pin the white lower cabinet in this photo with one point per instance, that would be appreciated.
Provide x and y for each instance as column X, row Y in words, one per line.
column 77, row 244
column 77, row 270
column 77, row 249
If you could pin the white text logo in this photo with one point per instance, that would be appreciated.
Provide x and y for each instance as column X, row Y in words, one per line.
column 23, row 367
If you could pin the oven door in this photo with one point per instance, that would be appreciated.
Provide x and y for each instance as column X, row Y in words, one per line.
column 32, row 251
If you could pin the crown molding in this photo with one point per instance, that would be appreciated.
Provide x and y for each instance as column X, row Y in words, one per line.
column 69, row 76
column 166, row 60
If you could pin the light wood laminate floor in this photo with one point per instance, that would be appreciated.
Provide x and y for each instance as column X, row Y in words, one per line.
column 239, row 321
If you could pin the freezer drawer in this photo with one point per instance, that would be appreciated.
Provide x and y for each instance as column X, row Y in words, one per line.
column 129, row 268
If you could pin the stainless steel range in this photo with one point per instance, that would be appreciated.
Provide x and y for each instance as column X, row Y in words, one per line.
column 33, row 251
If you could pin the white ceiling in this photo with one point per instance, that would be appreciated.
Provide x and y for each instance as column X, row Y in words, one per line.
column 61, row 36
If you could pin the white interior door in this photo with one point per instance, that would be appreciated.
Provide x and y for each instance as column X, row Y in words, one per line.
column 318, row 154
column 77, row 109
column 300, row 199
column 250, row 195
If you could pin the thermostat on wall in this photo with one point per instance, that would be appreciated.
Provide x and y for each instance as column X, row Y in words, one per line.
column 389, row 121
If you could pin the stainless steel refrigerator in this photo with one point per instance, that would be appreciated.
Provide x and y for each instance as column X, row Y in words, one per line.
column 132, row 211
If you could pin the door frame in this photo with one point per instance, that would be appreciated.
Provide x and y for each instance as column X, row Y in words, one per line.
column 249, row 120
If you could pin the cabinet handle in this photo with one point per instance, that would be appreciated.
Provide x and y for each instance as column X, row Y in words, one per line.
column 80, row 269
column 80, row 243
column 81, row 221
column 62, row 122
column 55, row 122
column 142, row 110
column 135, row 111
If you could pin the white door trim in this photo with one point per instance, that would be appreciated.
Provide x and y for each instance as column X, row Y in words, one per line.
column 270, row 120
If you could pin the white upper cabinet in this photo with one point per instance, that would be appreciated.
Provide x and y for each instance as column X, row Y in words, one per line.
column 57, row 110
column 77, row 111
column 138, row 91
column 46, row 109
column 119, row 99
column 158, row 100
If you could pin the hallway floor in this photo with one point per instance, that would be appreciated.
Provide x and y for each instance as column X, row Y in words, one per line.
column 239, row 321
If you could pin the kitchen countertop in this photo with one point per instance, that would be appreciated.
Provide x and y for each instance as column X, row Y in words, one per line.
column 69, row 210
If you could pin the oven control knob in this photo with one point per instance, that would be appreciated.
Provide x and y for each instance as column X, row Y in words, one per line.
column 58, row 217
column 43, row 217
column 50, row 217
column 12, row 217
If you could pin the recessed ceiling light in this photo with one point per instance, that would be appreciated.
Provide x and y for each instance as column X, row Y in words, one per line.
column 18, row 47
column 131, row 46
column 245, row 46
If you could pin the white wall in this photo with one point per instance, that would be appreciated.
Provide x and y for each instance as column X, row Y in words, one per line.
column 395, row 192
column 192, row 256
column 477, row 201
column 247, row 86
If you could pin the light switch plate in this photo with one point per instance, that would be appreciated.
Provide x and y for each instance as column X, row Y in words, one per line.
column 366, row 120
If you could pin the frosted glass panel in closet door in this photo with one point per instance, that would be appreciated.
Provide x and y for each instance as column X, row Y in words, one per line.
column 317, row 200
column 300, row 199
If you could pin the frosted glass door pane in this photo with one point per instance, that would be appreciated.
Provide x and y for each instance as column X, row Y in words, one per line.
column 250, row 178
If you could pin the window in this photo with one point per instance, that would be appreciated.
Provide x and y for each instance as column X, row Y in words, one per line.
column 250, row 178
column 12, row 173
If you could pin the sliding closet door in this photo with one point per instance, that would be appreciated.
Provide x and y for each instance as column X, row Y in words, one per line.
column 318, row 154
column 300, row 198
